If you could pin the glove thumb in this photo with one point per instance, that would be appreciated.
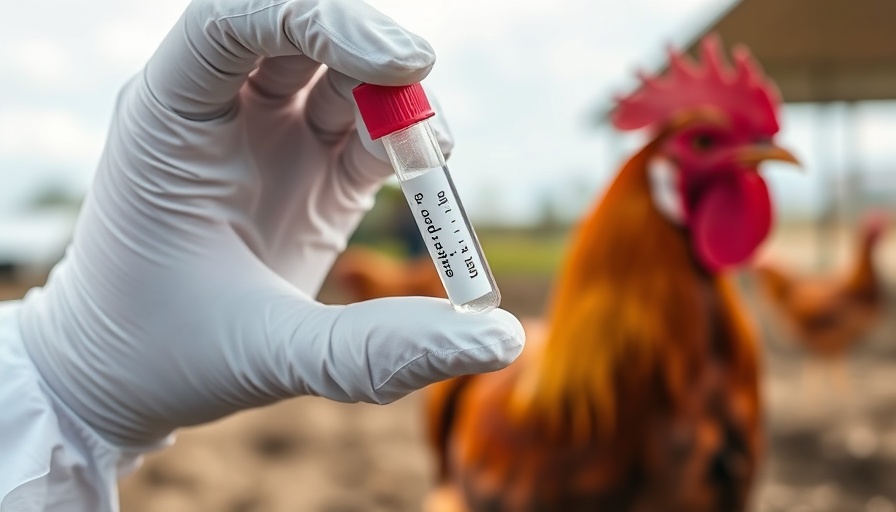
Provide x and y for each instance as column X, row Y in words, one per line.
column 380, row 350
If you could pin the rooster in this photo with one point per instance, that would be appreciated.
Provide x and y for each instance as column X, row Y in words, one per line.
column 829, row 315
column 641, row 394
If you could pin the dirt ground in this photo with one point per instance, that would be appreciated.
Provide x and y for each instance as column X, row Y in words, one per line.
column 831, row 437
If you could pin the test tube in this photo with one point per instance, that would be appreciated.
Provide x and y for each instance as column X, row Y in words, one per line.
column 398, row 115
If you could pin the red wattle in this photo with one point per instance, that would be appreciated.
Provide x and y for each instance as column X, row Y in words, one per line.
column 730, row 220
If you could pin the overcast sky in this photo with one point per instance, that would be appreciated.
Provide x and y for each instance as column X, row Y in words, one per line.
column 519, row 81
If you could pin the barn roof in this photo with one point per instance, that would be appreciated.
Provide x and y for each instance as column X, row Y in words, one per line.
column 818, row 50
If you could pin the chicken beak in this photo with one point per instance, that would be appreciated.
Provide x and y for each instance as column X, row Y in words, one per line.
column 752, row 156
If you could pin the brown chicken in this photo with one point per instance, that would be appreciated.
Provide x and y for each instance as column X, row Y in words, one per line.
column 641, row 394
column 365, row 274
column 829, row 315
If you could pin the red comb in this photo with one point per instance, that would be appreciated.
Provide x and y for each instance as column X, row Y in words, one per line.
column 743, row 92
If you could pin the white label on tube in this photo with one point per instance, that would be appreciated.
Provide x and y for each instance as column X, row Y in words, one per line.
column 450, row 244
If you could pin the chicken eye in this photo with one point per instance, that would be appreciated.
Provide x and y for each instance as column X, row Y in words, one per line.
column 702, row 142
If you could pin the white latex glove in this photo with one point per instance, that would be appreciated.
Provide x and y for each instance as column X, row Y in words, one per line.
column 221, row 200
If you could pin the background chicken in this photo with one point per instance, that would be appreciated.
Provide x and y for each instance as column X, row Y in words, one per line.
column 830, row 314
column 363, row 273
column 641, row 394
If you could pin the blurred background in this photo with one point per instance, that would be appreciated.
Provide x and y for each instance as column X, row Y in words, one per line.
column 526, row 87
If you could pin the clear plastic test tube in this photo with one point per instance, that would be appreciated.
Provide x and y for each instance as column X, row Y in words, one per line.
column 399, row 116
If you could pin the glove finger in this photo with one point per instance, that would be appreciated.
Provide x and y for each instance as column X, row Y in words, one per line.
column 202, row 63
column 381, row 350
column 330, row 109
column 282, row 77
column 363, row 167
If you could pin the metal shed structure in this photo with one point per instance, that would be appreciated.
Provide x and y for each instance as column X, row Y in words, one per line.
column 818, row 51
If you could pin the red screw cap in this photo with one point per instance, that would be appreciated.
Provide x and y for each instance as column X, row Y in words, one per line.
column 387, row 109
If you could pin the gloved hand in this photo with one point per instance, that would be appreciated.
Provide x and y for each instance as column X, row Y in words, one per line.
column 222, row 198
